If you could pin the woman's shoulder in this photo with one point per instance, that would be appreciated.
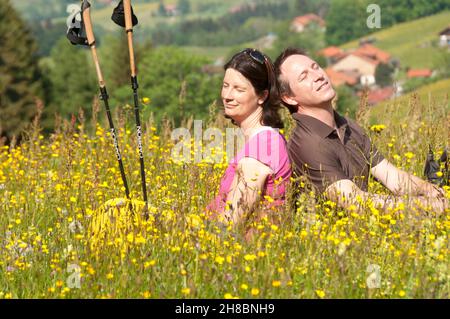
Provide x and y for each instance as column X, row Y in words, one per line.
column 269, row 137
column 269, row 132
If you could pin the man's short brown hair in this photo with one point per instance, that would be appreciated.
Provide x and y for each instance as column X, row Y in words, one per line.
column 283, row 85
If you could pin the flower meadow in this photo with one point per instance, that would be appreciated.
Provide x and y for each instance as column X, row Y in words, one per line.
column 53, row 187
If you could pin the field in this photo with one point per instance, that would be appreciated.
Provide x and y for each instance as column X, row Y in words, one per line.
column 52, row 188
column 147, row 13
column 399, row 108
column 414, row 43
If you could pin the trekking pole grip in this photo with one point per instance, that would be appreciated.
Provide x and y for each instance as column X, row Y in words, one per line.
column 127, row 11
column 86, row 9
column 129, row 31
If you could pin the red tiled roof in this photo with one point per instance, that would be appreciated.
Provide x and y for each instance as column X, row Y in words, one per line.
column 171, row 7
column 339, row 78
column 419, row 73
column 307, row 19
column 373, row 52
column 330, row 52
column 365, row 58
column 379, row 95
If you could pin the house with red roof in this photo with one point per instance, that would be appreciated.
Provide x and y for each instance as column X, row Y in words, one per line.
column 339, row 78
column 379, row 95
column 419, row 73
column 360, row 64
column 332, row 54
column 363, row 60
column 300, row 23
column 171, row 9
column 374, row 53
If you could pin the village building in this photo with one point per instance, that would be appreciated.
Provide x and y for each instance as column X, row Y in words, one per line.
column 300, row 23
column 332, row 54
column 444, row 37
column 363, row 60
column 419, row 73
column 356, row 63
column 338, row 78
column 379, row 95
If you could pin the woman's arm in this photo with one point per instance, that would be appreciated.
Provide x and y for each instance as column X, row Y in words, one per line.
column 247, row 184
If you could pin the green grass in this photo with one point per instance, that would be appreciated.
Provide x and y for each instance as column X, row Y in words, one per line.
column 414, row 43
column 51, row 189
column 437, row 92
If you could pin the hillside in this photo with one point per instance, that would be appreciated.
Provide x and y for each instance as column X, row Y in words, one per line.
column 414, row 43
column 146, row 10
column 397, row 108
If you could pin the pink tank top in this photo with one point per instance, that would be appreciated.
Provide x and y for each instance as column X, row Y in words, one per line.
column 269, row 147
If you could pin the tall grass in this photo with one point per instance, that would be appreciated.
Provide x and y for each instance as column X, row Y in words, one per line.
column 50, row 187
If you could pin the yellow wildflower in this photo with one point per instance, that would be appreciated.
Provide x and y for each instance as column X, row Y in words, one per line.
column 320, row 293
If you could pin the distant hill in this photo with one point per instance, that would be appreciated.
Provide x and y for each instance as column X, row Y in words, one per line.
column 145, row 10
column 414, row 43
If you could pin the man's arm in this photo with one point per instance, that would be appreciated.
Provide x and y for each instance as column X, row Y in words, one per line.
column 346, row 193
column 400, row 182
column 247, row 183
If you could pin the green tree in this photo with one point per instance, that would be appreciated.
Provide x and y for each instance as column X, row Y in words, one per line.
column 116, row 65
column 176, row 85
column 116, row 60
column 383, row 74
column 347, row 102
column 311, row 40
column 162, row 9
column 346, row 20
column 184, row 6
column 315, row 6
column 71, row 82
column 19, row 73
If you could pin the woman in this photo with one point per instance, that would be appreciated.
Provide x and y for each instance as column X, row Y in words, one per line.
column 261, row 169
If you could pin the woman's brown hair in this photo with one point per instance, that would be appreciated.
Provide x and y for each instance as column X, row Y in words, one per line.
column 259, row 70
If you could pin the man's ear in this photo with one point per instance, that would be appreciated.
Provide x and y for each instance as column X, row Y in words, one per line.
column 288, row 100
column 263, row 97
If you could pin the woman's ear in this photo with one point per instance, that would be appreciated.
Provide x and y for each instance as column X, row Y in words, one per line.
column 263, row 97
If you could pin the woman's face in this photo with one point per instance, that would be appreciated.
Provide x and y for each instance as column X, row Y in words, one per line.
column 238, row 96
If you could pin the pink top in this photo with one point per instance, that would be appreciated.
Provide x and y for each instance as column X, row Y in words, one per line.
column 269, row 147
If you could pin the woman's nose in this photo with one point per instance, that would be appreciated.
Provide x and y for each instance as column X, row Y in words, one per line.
column 227, row 94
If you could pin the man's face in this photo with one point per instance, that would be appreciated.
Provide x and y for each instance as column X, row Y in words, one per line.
column 309, row 83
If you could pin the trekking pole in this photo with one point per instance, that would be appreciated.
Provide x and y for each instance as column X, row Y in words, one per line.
column 76, row 35
column 123, row 16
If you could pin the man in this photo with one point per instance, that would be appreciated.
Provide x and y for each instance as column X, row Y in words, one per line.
column 333, row 151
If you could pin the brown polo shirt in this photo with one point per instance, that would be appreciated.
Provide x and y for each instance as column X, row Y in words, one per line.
column 317, row 152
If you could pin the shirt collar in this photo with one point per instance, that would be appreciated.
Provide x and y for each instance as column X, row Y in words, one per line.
column 319, row 127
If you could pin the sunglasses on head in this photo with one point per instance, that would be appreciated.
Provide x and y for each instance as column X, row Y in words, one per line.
column 255, row 55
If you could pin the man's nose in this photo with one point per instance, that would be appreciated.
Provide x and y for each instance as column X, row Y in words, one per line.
column 318, row 75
